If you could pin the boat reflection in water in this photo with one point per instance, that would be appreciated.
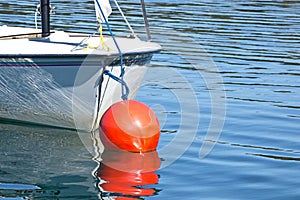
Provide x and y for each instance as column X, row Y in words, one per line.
column 127, row 175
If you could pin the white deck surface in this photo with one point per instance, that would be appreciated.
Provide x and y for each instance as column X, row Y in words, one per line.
column 61, row 42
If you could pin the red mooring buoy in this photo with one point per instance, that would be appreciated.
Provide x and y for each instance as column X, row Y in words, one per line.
column 131, row 126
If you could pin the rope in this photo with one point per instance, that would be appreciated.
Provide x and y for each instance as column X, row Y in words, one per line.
column 100, row 43
column 120, row 80
column 125, row 89
column 114, row 39
column 37, row 12
column 83, row 43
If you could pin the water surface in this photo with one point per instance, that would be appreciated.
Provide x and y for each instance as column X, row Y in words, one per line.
column 251, row 69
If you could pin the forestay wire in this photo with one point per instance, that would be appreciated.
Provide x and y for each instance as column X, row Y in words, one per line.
column 125, row 19
column 125, row 89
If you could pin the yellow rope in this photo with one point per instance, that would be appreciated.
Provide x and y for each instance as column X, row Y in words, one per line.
column 100, row 43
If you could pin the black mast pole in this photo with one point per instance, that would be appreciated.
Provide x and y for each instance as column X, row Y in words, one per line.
column 45, row 14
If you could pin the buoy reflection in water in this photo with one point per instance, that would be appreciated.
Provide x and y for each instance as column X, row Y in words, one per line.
column 126, row 174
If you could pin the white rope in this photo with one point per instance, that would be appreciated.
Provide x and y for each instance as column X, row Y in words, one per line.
column 35, row 20
column 125, row 19
column 37, row 11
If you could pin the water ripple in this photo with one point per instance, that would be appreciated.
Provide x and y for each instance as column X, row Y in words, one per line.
column 255, row 45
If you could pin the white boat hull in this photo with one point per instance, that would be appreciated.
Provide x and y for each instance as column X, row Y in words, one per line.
column 69, row 92
column 59, row 81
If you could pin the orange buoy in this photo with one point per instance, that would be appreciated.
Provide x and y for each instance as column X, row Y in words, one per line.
column 129, row 125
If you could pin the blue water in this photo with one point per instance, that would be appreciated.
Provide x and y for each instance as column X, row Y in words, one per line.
column 226, row 90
